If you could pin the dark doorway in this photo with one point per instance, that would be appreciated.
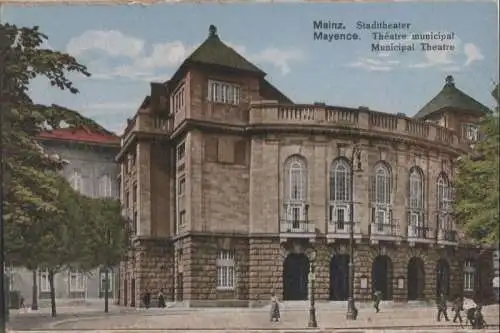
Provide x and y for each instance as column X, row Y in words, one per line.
column 295, row 277
column 125, row 292
column 382, row 276
column 416, row 279
column 339, row 277
column 132, row 293
column 443, row 278
column 180, row 287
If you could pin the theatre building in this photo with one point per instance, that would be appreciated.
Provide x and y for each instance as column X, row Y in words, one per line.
column 232, row 190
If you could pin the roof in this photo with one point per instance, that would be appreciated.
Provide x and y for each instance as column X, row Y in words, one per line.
column 452, row 97
column 268, row 91
column 214, row 52
column 82, row 135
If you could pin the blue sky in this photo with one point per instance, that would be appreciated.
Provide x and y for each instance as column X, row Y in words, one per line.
column 126, row 47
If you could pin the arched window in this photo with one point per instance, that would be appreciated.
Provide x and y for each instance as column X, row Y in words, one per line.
column 416, row 204
column 296, row 179
column 340, row 193
column 416, row 190
column 340, row 175
column 381, row 198
column 444, row 205
column 295, row 190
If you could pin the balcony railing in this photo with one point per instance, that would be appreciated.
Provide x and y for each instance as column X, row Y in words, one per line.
column 385, row 231
column 420, row 234
column 297, row 226
column 447, row 236
column 336, row 227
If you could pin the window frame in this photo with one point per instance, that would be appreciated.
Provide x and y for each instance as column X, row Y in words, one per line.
column 223, row 92
column 469, row 275
column 80, row 281
column 226, row 270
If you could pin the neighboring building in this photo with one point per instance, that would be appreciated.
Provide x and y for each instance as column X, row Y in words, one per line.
column 231, row 187
column 92, row 171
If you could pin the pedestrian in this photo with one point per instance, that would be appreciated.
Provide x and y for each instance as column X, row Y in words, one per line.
column 147, row 299
column 442, row 308
column 479, row 322
column 161, row 299
column 377, row 297
column 470, row 316
column 275, row 308
column 458, row 306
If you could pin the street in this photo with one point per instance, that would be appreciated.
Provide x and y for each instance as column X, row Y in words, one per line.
column 401, row 318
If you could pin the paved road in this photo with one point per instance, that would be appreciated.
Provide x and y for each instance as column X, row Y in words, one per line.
column 219, row 319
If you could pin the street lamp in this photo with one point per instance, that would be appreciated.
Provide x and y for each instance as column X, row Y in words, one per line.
column 106, row 272
column 312, row 277
column 352, row 312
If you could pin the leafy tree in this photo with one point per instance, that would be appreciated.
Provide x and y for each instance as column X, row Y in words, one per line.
column 478, row 184
column 40, row 212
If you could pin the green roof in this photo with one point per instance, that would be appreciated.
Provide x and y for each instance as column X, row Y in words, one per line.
column 214, row 52
column 450, row 97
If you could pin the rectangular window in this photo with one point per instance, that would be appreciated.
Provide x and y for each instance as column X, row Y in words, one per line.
column 179, row 99
column 225, row 270
column 181, row 152
column 223, row 92
column 181, row 212
column 470, row 132
column 105, row 186
column 77, row 281
column 469, row 274
column 103, row 281
column 44, row 282
column 381, row 219
column 76, row 180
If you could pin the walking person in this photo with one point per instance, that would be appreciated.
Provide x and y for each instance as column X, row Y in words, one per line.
column 458, row 306
column 275, row 308
column 442, row 308
column 161, row 299
column 377, row 297
column 479, row 322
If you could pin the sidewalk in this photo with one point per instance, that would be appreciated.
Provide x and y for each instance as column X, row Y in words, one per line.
column 220, row 319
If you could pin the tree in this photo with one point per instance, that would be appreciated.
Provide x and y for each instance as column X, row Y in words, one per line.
column 34, row 229
column 478, row 184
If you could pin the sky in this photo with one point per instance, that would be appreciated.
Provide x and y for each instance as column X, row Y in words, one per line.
column 126, row 47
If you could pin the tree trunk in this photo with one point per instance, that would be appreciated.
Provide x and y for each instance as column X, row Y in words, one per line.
column 34, row 296
column 106, row 288
column 52, row 292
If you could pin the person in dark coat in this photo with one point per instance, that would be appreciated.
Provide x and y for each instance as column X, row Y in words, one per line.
column 442, row 308
column 377, row 297
column 161, row 299
column 275, row 308
column 146, row 299
column 479, row 322
column 458, row 306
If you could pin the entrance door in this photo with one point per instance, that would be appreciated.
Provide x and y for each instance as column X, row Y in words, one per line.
column 443, row 278
column 416, row 279
column 295, row 277
column 382, row 276
column 132, row 292
column 339, row 277
column 180, row 287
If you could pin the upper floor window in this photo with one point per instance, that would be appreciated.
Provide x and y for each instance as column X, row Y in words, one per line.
column 470, row 132
column 223, row 92
column 416, row 195
column 181, row 211
column 179, row 99
column 296, row 179
column 105, row 186
column 181, row 152
column 382, row 185
column 340, row 175
column 443, row 193
column 76, row 180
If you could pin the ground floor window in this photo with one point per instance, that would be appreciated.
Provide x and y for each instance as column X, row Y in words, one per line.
column 44, row 281
column 469, row 273
column 77, row 281
column 225, row 270
column 102, row 280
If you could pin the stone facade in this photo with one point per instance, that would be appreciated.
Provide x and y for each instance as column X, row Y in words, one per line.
column 209, row 177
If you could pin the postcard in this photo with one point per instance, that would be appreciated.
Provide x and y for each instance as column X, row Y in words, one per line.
column 238, row 167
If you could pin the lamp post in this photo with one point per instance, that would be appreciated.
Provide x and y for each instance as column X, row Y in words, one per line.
column 106, row 272
column 351, row 306
column 312, row 277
